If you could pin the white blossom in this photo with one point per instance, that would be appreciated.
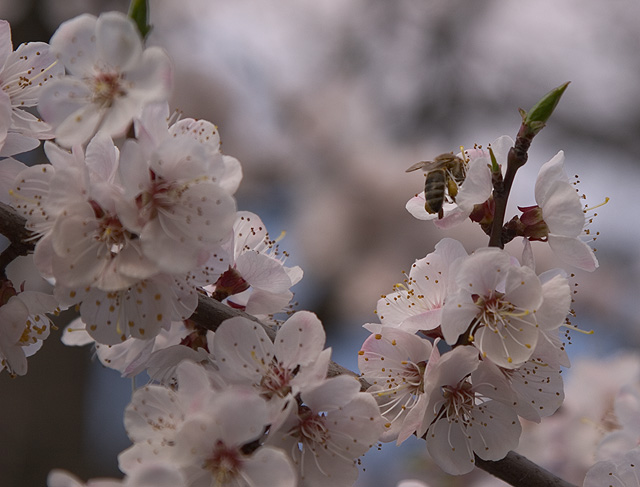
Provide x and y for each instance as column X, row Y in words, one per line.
column 418, row 301
column 111, row 76
column 564, row 215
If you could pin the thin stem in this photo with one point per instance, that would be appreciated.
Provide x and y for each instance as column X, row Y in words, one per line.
column 501, row 188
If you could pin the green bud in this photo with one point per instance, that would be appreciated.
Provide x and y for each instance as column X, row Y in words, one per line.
column 139, row 13
column 495, row 167
column 535, row 118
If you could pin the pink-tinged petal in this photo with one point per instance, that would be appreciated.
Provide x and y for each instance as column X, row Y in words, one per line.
column 313, row 374
column 491, row 381
column 156, row 475
column 263, row 272
column 550, row 172
column 17, row 144
column 501, row 147
column 192, row 379
column 152, row 78
column 61, row 98
column 386, row 352
column 75, row 335
column 118, row 43
column 154, row 411
column 332, row 394
column 102, row 158
column 620, row 472
column 453, row 215
column 6, row 46
column 269, row 467
column 415, row 206
column 573, row 251
column 29, row 125
column 118, row 117
column 152, row 125
column 75, row 44
column 322, row 468
column 562, row 210
column 202, row 131
column 239, row 425
column 495, row 430
column 5, row 116
column 61, row 158
column 412, row 422
column 510, row 347
column 260, row 302
column 232, row 174
column 134, row 173
column 457, row 315
column 556, row 303
column 243, row 350
column 79, row 126
column 452, row 367
column 539, row 387
column 9, row 170
column 523, row 289
column 483, row 271
column 27, row 69
column 300, row 340
column 449, row 446
column 359, row 425
column 477, row 185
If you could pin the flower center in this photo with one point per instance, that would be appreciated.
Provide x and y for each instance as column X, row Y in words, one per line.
column 106, row 88
column 110, row 230
column 276, row 380
column 311, row 428
column 459, row 401
column 223, row 463
column 495, row 313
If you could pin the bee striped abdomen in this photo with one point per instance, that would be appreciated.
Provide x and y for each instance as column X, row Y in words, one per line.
column 434, row 191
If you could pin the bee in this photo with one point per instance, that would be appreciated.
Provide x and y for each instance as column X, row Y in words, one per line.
column 444, row 175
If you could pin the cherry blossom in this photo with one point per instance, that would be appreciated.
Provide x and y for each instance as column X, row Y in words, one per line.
column 24, row 324
column 156, row 414
column 203, row 432
column 417, row 303
column 537, row 384
column 278, row 370
column 334, row 425
column 458, row 421
column 562, row 218
column 248, row 269
column 209, row 447
column 394, row 362
column 23, row 73
column 110, row 77
column 499, row 303
column 173, row 201
column 620, row 472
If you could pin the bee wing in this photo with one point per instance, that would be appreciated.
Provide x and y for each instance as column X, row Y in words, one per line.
column 427, row 166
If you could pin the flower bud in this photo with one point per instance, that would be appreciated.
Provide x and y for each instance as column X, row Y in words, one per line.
column 535, row 228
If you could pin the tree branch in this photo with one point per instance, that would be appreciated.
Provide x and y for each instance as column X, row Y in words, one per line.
column 519, row 471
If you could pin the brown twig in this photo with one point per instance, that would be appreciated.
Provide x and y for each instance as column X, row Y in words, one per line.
column 519, row 471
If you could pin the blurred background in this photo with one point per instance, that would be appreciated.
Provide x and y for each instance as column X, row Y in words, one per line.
column 326, row 103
